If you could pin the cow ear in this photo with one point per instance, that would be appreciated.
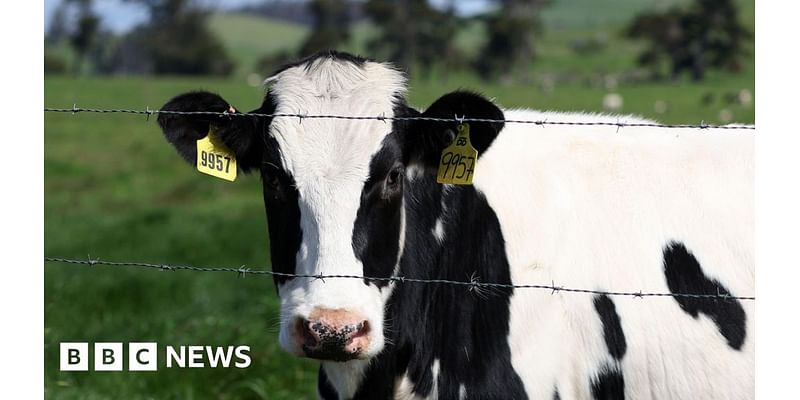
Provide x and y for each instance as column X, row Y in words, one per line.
column 427, row 139
column 239, row 133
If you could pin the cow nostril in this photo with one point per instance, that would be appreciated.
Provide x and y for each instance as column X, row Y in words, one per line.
column 306, row 332
column 358, row 339
column 362, row 329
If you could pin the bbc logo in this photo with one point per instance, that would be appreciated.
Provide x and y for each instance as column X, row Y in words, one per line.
column 108, row 356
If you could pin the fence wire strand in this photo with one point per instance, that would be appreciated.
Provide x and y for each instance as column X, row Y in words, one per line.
column 619, row 124
column 473, row 284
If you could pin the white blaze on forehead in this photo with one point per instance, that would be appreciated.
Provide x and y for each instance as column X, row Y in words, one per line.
column 334, row 149
column 329, row 158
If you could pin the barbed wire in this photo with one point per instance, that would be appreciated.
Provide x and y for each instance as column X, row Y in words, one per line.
column 619, row 124
column 474, row 284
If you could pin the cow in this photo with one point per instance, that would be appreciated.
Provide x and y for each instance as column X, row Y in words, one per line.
column 595, row 207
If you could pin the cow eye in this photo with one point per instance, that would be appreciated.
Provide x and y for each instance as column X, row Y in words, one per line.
column 271, row 177
column 395, row 176
column 272, row 181
column 394, row 179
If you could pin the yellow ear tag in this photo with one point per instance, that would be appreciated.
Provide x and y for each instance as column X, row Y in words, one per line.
column 457, row 164
column 214, row 158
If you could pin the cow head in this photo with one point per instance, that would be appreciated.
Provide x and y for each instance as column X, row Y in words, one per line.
column 333, row 188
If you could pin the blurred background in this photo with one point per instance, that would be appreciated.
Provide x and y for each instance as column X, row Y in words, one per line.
column 114, row 188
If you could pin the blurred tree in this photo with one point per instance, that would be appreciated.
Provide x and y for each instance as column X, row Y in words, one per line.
column 449, row 25
column 83, row 36
column 59, row 24
column 706, row 35
column 511, row 33
column 331, row 26
column 101, row 54
column 75, row 24
column 412, row 32
column 176, row 40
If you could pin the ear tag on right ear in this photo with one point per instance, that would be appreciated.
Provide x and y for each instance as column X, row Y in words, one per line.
column 457, row 163
column 214, row 158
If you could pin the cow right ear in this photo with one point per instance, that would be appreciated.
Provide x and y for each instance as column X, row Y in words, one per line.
column 437, row 128
column 240, row 134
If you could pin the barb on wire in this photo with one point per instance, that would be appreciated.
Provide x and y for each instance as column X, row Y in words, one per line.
column 542, row 123
column 473, row 284
column 556, row 289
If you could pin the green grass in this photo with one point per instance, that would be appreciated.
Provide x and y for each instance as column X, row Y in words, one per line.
column 581, row 14
column 114, row 189
column 683, row 99
column 248, row 37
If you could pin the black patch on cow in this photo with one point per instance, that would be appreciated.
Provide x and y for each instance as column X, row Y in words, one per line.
column 324, row 387
column 283, row 219
column 281, row 205
column 609, row 384
column 376, row 232
column 465, row 330
column 556, row 396
column 684, row 275
column 308, row 61
column 612, row 328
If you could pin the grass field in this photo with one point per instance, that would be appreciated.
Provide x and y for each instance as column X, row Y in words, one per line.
column 114, row 189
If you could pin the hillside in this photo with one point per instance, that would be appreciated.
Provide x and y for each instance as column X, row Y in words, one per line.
column 569, row 26
column 249, row 37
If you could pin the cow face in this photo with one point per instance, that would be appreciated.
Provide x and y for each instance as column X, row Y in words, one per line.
column 333, row 188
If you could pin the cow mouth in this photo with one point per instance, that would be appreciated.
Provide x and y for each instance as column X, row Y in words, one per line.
column 330, row 353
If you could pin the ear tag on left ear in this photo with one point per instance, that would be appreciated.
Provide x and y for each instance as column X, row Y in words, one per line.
column 214, row 158
column 457, row 163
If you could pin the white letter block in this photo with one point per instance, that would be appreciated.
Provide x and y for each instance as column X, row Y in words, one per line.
column 74, row 356
column 142, row 356
column 108, row 356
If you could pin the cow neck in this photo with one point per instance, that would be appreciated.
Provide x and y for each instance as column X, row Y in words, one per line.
column 453, row 234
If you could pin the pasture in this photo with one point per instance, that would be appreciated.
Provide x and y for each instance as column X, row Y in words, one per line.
column 114, row 189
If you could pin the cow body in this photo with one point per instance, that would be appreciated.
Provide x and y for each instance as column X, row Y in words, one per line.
column 599, row 208
column 605, row 210
column 592, row 208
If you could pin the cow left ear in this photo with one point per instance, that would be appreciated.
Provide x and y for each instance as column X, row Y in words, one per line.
column 426, row 139
column 241, row 134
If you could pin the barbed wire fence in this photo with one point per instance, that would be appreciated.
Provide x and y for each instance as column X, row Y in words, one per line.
column 147, row 112
column 473, row 284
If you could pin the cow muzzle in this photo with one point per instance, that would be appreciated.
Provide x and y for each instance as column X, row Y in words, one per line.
column 335, row 335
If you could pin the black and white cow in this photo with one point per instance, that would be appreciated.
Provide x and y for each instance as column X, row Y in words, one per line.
column 587, row 207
